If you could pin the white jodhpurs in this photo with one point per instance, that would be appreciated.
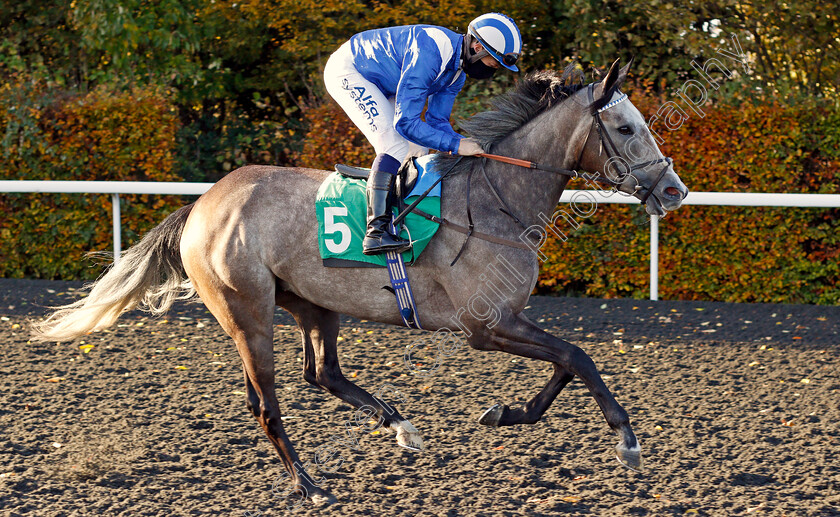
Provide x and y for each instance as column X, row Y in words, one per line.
column 365, row 104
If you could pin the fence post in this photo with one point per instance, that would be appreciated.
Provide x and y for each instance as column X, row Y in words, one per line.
column 654, row 257
column 115, row 209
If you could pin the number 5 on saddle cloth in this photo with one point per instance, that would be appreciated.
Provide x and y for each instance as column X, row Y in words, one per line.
column 342, row 221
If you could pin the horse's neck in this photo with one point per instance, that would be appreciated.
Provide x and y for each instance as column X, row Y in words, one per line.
column 529, row 192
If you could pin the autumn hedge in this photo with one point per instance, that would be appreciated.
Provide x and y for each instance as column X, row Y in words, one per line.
column 734, row 254
column 98, row 136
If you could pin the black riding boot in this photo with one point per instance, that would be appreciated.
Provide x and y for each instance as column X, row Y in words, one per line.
column 378, row 239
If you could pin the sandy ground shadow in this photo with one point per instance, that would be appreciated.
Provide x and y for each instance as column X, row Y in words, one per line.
column 736, row 407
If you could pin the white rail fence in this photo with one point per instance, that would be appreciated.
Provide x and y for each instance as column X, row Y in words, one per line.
column 115, row 188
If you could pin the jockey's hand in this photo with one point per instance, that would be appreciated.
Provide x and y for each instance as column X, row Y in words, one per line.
column 469, row 147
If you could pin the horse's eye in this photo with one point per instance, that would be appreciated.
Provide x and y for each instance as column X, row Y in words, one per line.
column 625, row 130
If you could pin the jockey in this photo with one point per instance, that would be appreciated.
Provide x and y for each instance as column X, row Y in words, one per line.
column 383, row 78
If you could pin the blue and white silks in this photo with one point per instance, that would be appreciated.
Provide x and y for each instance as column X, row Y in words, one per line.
column 406, row 66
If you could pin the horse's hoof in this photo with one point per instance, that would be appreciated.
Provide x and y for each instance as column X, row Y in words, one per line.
column 629, row 457
column 409, row 437
column 492, row 416
column 323, row 498
column 413, row 442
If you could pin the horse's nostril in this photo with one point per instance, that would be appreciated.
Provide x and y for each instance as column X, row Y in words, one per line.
column 671, row 191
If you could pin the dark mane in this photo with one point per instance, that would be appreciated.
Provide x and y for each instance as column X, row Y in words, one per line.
column 532, row 95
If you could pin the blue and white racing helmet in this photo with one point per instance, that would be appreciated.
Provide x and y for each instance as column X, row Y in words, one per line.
column 499, row 36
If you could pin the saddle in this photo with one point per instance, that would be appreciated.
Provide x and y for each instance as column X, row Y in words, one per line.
column 406, row 177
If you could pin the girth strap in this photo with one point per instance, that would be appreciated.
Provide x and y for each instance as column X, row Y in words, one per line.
column 469, row 219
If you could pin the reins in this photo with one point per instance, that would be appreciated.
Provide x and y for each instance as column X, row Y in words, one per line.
column 530, row 165
column 603, row 136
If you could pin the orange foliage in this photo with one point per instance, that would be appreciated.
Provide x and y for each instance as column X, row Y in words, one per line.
column 332, row 138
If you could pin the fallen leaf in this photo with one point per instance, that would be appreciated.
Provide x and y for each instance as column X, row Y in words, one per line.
column 571, row 498
column 180, row 367
column 55, row 379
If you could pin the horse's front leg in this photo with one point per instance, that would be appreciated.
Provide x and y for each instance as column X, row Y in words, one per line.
column 516, row 335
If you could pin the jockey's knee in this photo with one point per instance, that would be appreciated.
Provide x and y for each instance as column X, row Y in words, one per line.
column 396, row 147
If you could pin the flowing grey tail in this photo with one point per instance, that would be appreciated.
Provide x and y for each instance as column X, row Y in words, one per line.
column 150, row 275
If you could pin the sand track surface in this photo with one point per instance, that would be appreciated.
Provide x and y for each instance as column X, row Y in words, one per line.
column 737, row 408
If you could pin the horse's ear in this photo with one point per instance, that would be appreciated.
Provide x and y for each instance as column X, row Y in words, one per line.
column 613, row 80
column 607, row 82
column 622, row 74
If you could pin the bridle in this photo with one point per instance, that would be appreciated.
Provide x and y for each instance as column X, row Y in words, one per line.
column 612, row 149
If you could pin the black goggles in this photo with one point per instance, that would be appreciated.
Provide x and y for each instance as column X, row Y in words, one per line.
column 510, row 58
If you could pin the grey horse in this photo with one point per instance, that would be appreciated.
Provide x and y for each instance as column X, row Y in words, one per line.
column 250, row 244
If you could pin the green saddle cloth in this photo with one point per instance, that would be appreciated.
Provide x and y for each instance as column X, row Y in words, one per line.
column 341, row 210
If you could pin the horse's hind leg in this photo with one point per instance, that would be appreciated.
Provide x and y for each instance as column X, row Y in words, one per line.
column 319, row 334
column 244, row 308
column 534, row 409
